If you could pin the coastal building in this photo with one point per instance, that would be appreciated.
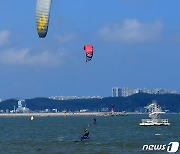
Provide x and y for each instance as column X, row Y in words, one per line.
column 128, row 91
column 22, row 107
column 123, row 92
column 116, row 92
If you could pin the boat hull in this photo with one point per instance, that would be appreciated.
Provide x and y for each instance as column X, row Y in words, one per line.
column 154, row 124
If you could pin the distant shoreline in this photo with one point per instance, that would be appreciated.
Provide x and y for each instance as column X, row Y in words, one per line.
column 50, row 114
column 65, row 114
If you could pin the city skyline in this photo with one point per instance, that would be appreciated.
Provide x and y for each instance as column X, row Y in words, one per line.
column 126, row 91
column 136, row 44
column 115, row 92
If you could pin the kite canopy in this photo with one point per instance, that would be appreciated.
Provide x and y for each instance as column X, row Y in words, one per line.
column 42, row 16
column 89, row 52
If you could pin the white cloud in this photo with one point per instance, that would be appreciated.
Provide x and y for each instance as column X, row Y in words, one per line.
column 4, row 36
column 26, row 57
column 130, row 31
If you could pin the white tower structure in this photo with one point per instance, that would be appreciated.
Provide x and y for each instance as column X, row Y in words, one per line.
column 20, row 103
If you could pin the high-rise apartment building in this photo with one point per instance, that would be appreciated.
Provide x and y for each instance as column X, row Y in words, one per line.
column 123, row 92
column 116, row 92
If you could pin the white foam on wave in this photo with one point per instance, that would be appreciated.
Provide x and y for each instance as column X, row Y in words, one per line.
column 157, row 134
column 60, row 138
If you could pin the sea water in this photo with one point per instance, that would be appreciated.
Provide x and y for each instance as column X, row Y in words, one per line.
column 111, row 134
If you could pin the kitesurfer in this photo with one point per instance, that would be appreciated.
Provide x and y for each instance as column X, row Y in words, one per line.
column 94, row 121
column 86, row 133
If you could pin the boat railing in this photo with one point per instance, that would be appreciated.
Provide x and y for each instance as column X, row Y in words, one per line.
column 154, row 120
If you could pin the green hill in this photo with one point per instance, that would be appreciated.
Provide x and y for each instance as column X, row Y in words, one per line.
column 132, row 103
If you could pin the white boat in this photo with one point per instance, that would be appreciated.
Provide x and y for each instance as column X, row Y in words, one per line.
column 154, row 112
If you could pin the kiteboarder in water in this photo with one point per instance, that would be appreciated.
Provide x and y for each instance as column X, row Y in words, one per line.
column 86, row 133
column 94, row 121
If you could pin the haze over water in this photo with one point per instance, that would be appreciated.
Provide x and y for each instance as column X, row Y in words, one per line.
column 121, row 134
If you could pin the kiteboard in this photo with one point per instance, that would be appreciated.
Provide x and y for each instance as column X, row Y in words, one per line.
column 84, row 138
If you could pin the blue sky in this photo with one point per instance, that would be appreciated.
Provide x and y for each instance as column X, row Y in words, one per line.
column 137, row 44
